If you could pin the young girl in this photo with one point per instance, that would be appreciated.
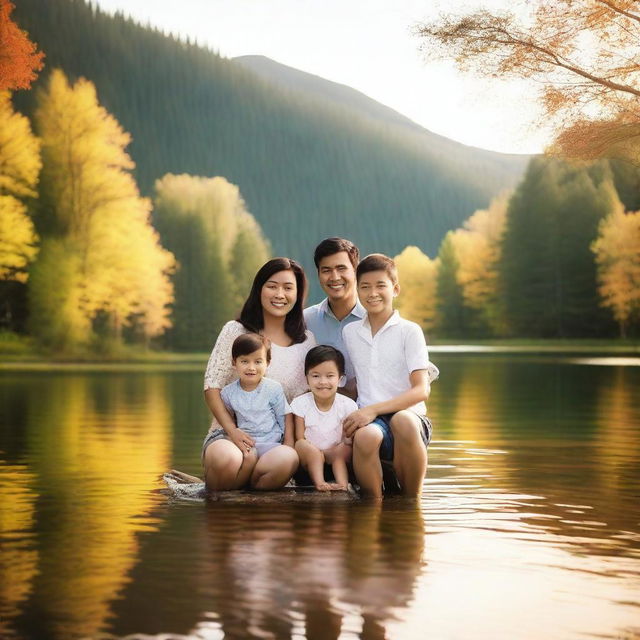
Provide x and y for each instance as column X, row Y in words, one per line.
column 318, row 419
column 274, row 310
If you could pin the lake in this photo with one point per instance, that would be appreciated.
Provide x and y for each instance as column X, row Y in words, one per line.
column 528, row 526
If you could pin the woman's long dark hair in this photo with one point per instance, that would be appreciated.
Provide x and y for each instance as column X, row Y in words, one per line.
column 251, row 315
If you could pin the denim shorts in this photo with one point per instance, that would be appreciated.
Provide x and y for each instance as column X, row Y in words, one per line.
column 383, row 422
column 219, row 434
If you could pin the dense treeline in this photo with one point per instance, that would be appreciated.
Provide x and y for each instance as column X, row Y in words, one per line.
column 307, row 168
column 81, row 266
column 559, row 257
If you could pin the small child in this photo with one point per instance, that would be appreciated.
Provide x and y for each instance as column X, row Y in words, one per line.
column 318, row 419
column 262, row 415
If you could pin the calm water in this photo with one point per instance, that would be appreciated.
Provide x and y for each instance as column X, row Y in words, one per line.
column 528, row 528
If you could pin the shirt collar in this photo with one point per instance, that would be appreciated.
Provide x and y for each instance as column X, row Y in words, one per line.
column 366, row 325
column 357, row 311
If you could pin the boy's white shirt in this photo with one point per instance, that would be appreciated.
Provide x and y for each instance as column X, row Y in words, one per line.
column 384, row 362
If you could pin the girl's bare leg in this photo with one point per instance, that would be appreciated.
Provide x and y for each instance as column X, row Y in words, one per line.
column 338, row 457
column 312, row 459
column 366, row 460
column 275, row 468
column 225, row 467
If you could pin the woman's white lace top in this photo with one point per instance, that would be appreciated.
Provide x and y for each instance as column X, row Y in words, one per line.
column 286, row 366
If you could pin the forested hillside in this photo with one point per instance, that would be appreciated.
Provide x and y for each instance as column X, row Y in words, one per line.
column 307, row 167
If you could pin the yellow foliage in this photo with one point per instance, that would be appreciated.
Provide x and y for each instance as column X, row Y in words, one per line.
column 418, row 276
column 477, row 247
column 17, row 239
column 617, row 251
column 19, row 152
column 216, row 200
column 123, row 270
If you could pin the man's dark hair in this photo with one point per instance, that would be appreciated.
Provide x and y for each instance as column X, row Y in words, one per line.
column 323, row 353
column 330, row 246
column 378, row 262
column 247, row 343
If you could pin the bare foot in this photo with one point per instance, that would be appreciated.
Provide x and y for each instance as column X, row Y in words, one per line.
column 337, row 487
column 323, row 486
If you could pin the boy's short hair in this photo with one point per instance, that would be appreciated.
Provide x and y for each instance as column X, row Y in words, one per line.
column 377, row 262
column 247, row 343
column 323, row 353
column 331, row 246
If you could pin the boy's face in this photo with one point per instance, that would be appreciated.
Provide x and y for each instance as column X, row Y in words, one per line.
column 251, row 367
column 376, row 291
column 337, row 276
column 323, row 380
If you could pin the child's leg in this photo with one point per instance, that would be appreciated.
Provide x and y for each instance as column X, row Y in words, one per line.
column 312, row 459
column 225, row 466
column 409, row 452
column 275, row 468
column 366, row 459
column 338, row 457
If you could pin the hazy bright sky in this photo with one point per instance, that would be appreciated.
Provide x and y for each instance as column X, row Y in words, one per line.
column 365, row 44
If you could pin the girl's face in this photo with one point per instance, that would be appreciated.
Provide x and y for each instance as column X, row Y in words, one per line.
column 323, row 380
column 251, row 367
column 279, row 293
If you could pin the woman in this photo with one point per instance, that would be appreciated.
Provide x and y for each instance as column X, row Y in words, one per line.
column 273, row 309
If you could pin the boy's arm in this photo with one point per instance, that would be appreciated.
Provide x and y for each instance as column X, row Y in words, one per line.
column 419, row 392
column 299, row 427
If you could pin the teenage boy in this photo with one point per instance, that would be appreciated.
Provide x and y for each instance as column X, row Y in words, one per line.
column 393, row 376
column 336, row 260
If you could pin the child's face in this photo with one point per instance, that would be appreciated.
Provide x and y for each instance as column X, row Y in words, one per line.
column 323, row 380
column 251, row 367
column 376, row 291
column 337, row 276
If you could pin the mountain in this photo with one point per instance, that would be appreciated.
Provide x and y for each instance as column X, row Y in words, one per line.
column 311, row 158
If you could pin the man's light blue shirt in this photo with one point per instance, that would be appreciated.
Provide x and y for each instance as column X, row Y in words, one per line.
column 327, row 329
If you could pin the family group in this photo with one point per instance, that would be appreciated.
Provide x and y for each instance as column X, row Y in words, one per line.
column 281, row 382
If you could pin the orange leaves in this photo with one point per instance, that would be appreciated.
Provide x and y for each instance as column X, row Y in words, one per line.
column 19, row 58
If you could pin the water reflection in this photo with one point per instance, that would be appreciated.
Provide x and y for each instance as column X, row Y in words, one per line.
column 96, row 448
column 530, row 506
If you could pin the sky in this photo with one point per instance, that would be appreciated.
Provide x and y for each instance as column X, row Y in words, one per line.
column 368, row 45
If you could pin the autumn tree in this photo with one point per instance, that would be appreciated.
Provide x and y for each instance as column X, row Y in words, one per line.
column 20, row 59
column 583, row 53
column 219, row 247
column 418, row 278
column 19, row 169
column 102, row 262
column 617, row 251
column 478, row 248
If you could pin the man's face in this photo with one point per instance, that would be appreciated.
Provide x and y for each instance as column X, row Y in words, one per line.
column 337, row 277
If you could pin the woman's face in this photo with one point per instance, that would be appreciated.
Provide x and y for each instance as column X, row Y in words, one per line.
column 279, row 293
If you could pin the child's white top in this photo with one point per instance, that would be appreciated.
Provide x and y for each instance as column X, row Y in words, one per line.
column 323, row 428
column 286, row 366
column 259, row 412
column 384, row 362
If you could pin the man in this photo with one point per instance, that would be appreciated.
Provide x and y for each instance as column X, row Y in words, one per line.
column 336, row 260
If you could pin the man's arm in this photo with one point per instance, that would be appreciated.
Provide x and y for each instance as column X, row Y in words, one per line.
column 419, row 392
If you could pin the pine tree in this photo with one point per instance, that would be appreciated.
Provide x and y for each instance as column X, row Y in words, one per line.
column 547, row 269
column 451, row 315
